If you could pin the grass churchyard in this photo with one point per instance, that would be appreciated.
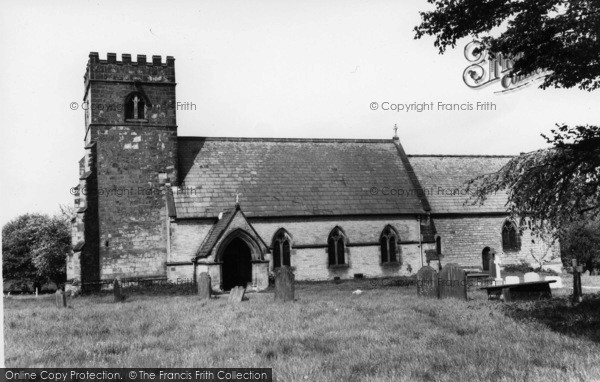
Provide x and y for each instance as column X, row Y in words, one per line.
column 329, row 333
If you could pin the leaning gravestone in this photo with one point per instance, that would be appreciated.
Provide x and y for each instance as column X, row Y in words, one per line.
column 530, row 277
column 204, row 289
column 284, row 284
column 453, row 282
column 512, row 280
column 117, row 291
column 61, row 299
column 236, row 294
column 427, row 282
column 492, row 264
column 557, row 285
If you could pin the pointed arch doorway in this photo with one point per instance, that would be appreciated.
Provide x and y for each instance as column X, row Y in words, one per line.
column 237, row 264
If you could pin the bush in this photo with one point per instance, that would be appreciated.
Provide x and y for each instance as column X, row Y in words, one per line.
column 581, row 241
column 523, row 267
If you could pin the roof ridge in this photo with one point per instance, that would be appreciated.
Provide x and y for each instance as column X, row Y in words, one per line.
column 311, row 140
column 459, row 156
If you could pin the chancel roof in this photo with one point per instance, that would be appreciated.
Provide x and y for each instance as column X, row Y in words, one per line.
column 444, row 177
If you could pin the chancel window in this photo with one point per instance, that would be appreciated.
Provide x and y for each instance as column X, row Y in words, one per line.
column 281, row 249
column 136, row 107
column 389, row 245
column 336, row 247
column 510, row 237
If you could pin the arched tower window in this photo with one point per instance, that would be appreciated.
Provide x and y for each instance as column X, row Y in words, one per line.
column 388, row 243
column 136, row 107
column 511, row 240
column 282, row 247
column 438, row 245
column 336, row 247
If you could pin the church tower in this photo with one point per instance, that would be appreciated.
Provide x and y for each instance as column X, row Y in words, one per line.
column 130, row 162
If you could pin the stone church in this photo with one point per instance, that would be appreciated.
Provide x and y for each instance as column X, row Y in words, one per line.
column 155, row 205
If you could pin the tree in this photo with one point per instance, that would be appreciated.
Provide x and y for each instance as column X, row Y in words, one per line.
column 561, row 184
column 558, row 36
column 551, row 187
column 34, row 249
column 581, row 241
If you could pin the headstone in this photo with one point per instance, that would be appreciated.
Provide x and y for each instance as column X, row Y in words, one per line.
column 512, row 280
column 236, row 294
column 204, row 289
column 498, row 279
column 284, row 284
column 492, row 263
column 530, row 277
column 577, row 292
column 452, row 282
column 117, row 291
column 427, row 282
column 61, row 299
column 558, row 284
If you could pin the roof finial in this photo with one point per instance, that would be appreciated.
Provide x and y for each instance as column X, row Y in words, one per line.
column 395, row 131
column 237, row 199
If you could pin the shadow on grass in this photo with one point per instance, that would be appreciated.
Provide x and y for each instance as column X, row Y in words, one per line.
column 560, row 315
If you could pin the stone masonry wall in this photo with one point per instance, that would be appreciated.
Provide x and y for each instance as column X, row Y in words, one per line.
column 309, row 246
column 136, row 161
column 186, row 238
column 463, row 239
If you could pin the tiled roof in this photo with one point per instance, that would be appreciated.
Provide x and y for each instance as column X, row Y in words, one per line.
column 443, row 180
column 78, row 246
column 215, row 233
column 292, row 177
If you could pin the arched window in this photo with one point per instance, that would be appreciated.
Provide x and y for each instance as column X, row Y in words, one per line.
column 511, row 240
column 136, row 107
column 438, row 245
column 336, row 247
column 282, row 248
column 388, row 243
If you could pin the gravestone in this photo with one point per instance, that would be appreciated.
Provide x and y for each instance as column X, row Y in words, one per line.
column 204, row 289
column 61, row 299
column 427, row 282
column 492, row 263
column 577, row 292
column 432, row 255
column 512, row 280
column 558, row 284
column 530, row 277
column 284, row 284
column 117, row 291
column 236, row 294
column 452, row 282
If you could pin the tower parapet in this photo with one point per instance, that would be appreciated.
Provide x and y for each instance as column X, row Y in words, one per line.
column 154, row 71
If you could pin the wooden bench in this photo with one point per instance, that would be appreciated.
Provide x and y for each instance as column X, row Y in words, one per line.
column 533, row 290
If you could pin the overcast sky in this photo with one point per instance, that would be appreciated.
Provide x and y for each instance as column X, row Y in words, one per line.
column 253, row 69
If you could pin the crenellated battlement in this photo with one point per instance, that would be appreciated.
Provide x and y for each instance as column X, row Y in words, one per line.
column 111, row 58
column 126, row 70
